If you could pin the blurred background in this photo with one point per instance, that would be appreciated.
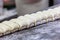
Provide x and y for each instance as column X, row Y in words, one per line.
column 9, row 8
column 9, row 4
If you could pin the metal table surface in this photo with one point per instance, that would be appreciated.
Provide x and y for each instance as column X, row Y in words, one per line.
column 47, row 31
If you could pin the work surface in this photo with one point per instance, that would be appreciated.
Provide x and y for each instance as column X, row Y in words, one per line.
column 47, row 31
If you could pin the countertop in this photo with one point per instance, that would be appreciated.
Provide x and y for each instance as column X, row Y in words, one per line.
column 46, row 31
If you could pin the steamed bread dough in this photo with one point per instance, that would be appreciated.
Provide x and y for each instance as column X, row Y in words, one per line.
column 57, row 13
column 48, row 16
column 54, row 13
column 40, row 18
column 29, row 20
column 13, row 26
column 22, row 24
column 4, row 29
column 30, row 17
column 35, row 18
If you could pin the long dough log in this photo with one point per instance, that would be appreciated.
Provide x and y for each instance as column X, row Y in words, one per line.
column 29, row 20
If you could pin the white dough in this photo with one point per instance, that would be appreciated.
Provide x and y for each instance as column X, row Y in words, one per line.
column 22, row 23
column 21, row 17
column 11, row 25
column 30, row 17
column 29, row 20
column 4, row 28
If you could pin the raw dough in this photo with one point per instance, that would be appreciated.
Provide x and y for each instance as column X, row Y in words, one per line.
column 13, row 26
column 22, row 23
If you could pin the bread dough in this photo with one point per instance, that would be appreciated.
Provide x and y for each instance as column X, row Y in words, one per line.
column 13, row 26
column 29, row 20
column 51, row 14
column 4, row 28
column 47, row 16
column 22, row 23
column 30, row 17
